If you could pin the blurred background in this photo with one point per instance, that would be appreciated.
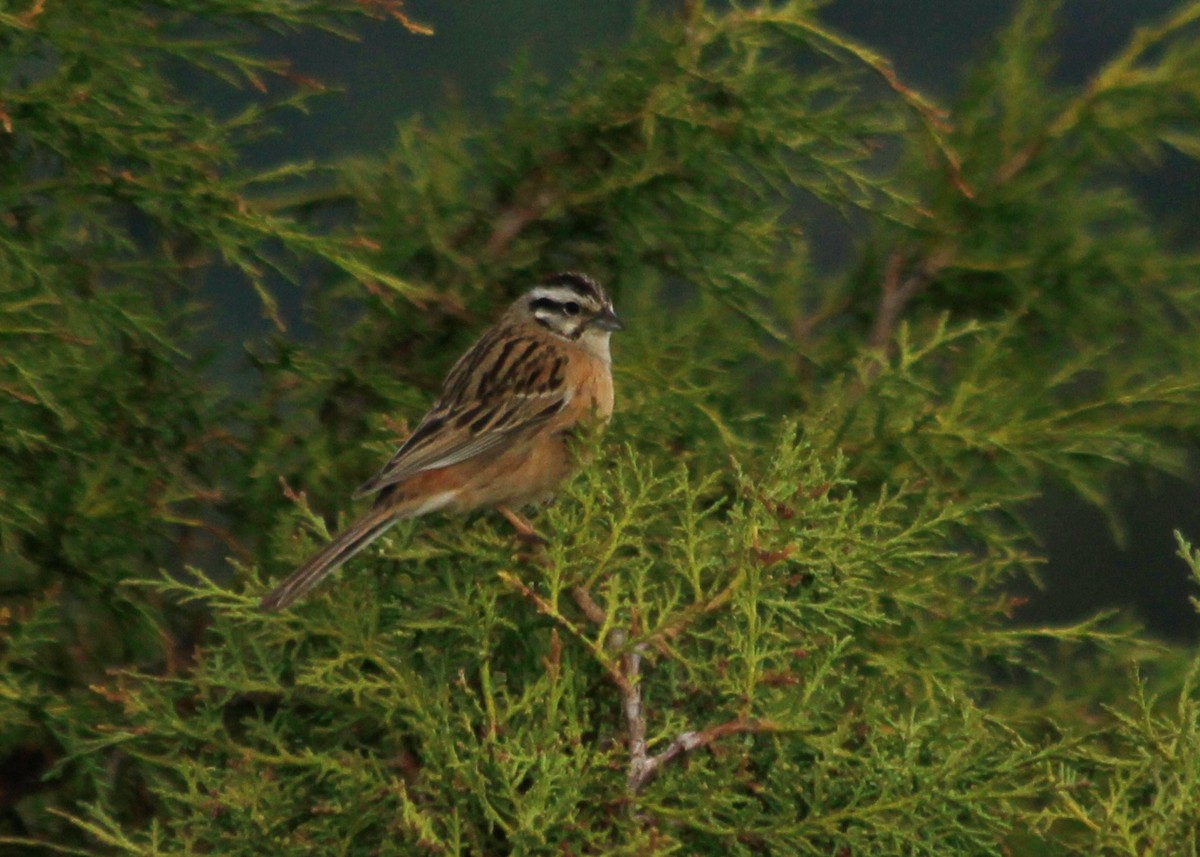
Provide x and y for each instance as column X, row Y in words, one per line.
column 390, row 74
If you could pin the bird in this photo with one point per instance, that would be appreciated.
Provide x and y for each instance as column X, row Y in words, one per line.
column 498, row 434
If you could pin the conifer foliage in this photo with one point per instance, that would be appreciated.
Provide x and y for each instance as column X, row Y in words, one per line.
column 775, row 612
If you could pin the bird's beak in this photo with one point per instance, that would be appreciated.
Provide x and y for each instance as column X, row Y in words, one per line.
column 607, row 320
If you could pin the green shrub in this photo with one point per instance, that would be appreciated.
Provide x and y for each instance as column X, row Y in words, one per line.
column 775, row 614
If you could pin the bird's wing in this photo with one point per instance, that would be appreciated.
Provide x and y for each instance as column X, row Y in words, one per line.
column 507, row 385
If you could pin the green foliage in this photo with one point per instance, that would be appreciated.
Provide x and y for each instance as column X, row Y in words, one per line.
column 774, row 615
column 117, row 191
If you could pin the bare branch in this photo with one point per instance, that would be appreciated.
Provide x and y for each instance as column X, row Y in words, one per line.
column 895, row 295
column 593, row 611
column 515, row 219
column 635, row 715
column 689, row 741
column 642, row 766
column 630, row 688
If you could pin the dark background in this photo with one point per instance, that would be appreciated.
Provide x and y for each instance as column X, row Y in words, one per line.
column 390, row 74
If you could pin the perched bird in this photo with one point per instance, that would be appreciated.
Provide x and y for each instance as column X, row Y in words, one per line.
column 497, row 434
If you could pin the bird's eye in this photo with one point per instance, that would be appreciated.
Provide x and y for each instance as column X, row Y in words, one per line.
column 571, row 308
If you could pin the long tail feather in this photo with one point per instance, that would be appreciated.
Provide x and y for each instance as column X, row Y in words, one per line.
column 326, row 561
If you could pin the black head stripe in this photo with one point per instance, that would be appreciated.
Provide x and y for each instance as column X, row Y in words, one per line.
column 561, row 299
column 582, row 285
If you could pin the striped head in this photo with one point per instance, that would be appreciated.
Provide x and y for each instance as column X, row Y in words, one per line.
column 571, row 306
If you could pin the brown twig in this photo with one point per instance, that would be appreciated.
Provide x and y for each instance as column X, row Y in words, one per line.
column 395, row 9
column 32, row 13
column 538, row 192
column 593, row 611
column 630, row 688
column 896, row 293
column 220, row 533
column 894, row 296
column 689, row 741
column 515, row 219
column 635, row 714
column 643, row 766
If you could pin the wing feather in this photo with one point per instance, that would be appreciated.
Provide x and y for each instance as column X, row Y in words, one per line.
column 508, row 384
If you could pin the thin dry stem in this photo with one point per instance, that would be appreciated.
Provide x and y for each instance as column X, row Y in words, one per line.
column 896, row 293
column 643, row 766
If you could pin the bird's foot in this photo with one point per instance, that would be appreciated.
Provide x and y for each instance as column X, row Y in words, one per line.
column 525, row 531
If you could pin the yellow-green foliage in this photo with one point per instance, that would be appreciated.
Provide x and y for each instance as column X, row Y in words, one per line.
column 786, row 565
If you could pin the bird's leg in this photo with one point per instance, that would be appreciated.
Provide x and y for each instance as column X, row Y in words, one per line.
column 525, row 530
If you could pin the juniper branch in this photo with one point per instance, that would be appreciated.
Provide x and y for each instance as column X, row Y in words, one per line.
column 1115, row 73
column 643, row 766
column 896, row 294
column 689, row 741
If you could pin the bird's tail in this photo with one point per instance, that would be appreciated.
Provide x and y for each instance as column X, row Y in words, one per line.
column 327, row 560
